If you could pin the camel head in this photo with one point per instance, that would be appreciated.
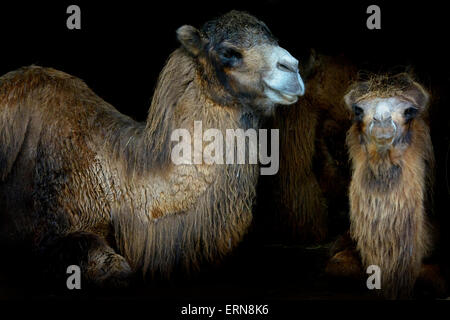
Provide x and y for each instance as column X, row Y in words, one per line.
column 384, row 108
column 239, row 58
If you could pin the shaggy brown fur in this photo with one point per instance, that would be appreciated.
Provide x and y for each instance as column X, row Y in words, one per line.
column 83, row 182
column 312, row 131
column 389, row 184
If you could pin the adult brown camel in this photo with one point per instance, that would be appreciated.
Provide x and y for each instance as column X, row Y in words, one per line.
column 87, row 185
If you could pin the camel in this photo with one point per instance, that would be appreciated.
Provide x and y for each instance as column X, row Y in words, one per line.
column 312, row 160
column 84, row 184
column 392, row 157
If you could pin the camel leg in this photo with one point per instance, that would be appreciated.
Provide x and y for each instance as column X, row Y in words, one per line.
column 345, row 261
column 100, row 265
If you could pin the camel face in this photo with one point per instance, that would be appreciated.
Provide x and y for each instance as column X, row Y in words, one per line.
column 240, row 56
column 385, row 110
column 384, row 118
column 282, row 84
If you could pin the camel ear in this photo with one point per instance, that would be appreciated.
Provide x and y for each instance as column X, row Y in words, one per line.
column 412, row 91
column 312, row 64
column 355, row 91
column 191, row 39
column 418, row 95
column 349, row 98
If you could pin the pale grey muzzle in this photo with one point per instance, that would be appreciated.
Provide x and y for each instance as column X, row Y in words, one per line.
column 283, row 81
column 383, row 129
column 289, row 65
column 382, row 126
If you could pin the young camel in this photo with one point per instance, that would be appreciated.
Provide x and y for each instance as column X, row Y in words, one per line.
column 392, row 156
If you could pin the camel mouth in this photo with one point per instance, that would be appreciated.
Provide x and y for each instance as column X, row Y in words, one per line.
column 383, row 141
column 383, row 133
column 281, row 97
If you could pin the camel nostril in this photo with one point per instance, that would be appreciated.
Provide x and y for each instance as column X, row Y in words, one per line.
column 286, row 67
column 382, row 129
column 382, row 118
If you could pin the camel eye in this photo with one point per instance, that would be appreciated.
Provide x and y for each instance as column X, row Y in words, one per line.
column 358, row 111
column 230, row 57
column 411, row 113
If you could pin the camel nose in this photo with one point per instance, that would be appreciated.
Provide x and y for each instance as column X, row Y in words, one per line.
column 283, row 75
column 289, row 66
column 383, row 118
column 382, row 114
column 288, row 63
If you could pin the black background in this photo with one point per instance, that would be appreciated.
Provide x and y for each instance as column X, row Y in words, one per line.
column 122, row 47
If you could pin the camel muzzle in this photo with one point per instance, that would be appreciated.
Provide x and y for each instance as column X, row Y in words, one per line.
column 283, row 81
column 383, row 131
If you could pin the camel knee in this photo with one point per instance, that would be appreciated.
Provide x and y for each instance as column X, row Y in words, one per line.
column 105, row 268
column 100, row 265
column 345, row 264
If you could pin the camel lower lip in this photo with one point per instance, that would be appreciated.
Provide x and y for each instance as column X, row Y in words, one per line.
column 287, row 97
column 382, row 140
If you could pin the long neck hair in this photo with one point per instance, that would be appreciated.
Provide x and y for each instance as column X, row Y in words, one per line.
column 387, row 200
column 221, row 215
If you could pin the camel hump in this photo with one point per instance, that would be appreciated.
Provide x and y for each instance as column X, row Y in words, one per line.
column 24, row 81
column 41, row 90
column 35, row 73
column 28, row 93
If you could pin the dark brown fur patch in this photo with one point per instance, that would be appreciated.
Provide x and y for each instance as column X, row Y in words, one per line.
column 313, row 132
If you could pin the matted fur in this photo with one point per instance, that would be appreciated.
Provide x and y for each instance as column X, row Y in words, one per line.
column 70, row 162
column 388, row 192
column 79, row 177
